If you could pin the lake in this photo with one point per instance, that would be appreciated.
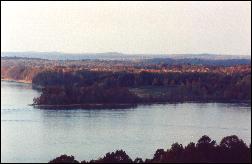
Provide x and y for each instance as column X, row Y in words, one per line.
column 33, row 135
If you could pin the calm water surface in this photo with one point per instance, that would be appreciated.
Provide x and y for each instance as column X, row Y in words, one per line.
column 33, row 135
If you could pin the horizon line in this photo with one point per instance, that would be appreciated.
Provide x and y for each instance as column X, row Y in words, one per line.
column 116, row 52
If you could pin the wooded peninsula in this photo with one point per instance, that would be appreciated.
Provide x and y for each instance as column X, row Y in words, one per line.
column 124, row 84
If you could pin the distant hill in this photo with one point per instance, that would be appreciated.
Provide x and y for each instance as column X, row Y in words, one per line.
column 197, row 61
column 66, row 56
column 171, row 59
column 116, row 56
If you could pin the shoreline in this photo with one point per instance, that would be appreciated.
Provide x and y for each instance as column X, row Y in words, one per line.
column 85, row 106
column 17, row 81
column 123, row 106
column 118, row 105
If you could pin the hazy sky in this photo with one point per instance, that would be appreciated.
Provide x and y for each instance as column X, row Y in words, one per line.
column 128, row 27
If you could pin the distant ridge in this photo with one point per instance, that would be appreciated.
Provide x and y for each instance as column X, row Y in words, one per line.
column 118, row 56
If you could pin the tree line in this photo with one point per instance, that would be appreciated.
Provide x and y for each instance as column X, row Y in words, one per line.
column 230, row 150
column 113, row 87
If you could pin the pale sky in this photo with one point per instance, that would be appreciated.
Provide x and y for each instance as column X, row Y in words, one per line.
column 127, row 27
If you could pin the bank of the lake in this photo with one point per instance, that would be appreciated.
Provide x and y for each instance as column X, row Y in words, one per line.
column 85, row 106
column 16, row 81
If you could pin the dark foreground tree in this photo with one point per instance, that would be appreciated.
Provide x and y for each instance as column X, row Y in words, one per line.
column 115, row 157
column 64, row 159
column 230, row 150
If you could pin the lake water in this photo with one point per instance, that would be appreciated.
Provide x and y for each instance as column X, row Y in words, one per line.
column 33, row 135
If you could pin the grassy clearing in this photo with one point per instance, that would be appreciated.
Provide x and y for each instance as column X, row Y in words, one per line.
column 154, row 91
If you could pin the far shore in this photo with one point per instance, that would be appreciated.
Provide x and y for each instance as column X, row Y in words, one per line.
column 86, row 106
column 17, row 81
column 121, row 106
column 118, row 105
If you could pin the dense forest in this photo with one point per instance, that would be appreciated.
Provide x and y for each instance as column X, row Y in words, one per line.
column 65, row 82
column 230, row 150
column 124, row 87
